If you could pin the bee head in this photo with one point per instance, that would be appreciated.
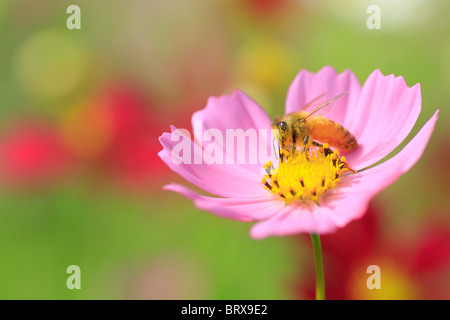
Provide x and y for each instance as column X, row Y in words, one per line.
column 282, row 126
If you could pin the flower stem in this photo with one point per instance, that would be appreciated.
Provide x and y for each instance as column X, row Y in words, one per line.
column 320, row 280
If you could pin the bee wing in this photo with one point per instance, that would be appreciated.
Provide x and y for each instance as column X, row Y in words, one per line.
column 316, row 102
column 319, row 107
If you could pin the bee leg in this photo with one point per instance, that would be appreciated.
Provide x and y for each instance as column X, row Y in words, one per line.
column 294, row 147
column 346, row 166
column 305, row 146
column 317, row 144
column 305, row 143
column 281, row 149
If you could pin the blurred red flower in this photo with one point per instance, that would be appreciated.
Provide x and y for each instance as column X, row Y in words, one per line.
column 31, row 153
column 132, row 153
column 116, row 133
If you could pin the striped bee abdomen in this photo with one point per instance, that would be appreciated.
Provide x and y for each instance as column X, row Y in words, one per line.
column 331, row 132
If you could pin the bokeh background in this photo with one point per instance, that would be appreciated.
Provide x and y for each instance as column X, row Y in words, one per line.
column 80, row 116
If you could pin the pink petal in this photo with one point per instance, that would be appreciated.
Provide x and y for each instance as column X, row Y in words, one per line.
column 232, row 112
column 307, row 86
column 291, row 220
column 387, row 111
column 226, row 180
column 379, row 177
column 237, row 111
column 248, row 209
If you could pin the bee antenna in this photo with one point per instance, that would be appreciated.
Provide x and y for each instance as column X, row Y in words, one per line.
column 323, row 105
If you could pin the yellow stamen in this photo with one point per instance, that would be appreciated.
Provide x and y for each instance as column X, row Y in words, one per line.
column 306, row 175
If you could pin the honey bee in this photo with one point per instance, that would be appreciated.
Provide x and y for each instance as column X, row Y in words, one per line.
column 303, row 128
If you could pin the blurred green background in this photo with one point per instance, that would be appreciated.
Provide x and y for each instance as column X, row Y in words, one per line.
column 80, row 179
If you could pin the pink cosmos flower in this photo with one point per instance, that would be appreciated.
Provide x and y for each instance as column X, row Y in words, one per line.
column 380, row 114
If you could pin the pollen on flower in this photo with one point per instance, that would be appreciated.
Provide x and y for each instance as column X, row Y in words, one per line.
column 305, row 175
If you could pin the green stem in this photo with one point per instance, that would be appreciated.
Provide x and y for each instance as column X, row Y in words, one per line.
column 320, row 279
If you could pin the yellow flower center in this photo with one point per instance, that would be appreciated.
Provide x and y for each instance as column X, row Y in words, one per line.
column 305, row 175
